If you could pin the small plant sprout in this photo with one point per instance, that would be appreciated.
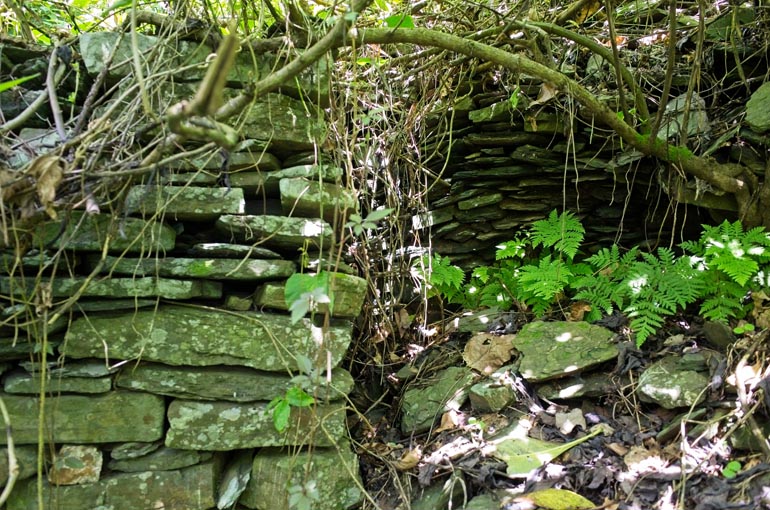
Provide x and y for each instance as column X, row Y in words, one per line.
column 731, row 469
column 359, row 224
column 745, row 328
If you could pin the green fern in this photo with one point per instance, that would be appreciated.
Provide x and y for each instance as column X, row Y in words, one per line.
column 657, row 286
column 517, row 248
column 545, row 280
column 563, row 232
column 602, row 288
column 441, row 278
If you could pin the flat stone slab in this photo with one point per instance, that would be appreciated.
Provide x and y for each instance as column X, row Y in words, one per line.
column 208, row 268
column 118, row 416
column 24, row 383
column 313, row 199
column 222, row 426
column 675, row 381
column 284, row 122
column 193, row 488
column 550, row 350
column 422, row 407
column 333, row 470
column 268, row 182
column 177, row 335
column 235, row 384
column 231, row 251
column 162, row 459
column 89, row 232
column 278, row 231
column 349, row 293
column 195, row 203
column 118, row 287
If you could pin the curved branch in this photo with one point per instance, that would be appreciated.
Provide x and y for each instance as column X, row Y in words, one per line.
column 722, row 176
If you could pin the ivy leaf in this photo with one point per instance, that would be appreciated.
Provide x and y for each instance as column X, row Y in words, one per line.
column 379, row 214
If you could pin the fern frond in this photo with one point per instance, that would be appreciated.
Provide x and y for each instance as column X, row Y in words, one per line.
column 545, row 280
column 562, row 232
column 515, row 248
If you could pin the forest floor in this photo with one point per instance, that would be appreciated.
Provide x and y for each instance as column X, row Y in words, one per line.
column 618, row 451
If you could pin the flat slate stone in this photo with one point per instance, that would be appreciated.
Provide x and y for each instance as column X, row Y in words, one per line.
column 231, row 251
column 421, row 407
column 118, row 287
column 334, row 471
column 550, row 350
column 235, row 384
column 89, row 232
column 193, row 203
column 26, row 460
column 758, row 109
column 177, row 335
column 349, row 293
column 24, row 383
column 268, row 182
column 162, row 459
column 118, row 416
column 222, row 426
column 311, row 199
column 193, row 488
column 277, row 231
column 207, row 268
column 284, row 122
column 240, row 159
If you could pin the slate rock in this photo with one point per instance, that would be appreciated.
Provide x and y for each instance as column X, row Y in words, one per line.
column 193, row 203
column 349, row 293
column 117, row 416
column 421, row 407
column 206, row 268
column 193, row 488
column 283, row 233
column 550, row 350
column 494, row 393
column 26, row 461
column 311, row 199
column 177, row 335
column 89, row 232
column 234, row 384
column 675, row 381
column 25, row 383
column 588, row 385
column 758, row 109
column 162, row 459
column 269, row 182
column 244, row 157
column 231, row 251
column 288, row 124
column 76, row 465
column 133, row 450
column 333, row 471
column 223, row 426
column 167, row 288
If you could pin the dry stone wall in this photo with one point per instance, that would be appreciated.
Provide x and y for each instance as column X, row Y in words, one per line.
column 156, row 387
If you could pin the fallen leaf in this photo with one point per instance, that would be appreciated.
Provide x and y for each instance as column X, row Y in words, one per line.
column 48, row 172
column 568, row 421
column 450, row 420
column 523, row 454
column 547, row 92
column 409, row 459
column 577, row 310
column 486, row 352
column 554, row 499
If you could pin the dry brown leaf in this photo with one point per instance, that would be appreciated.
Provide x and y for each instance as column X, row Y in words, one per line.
column 450, row 420
column 48, row 172
column 577, row 310
column 409, row 459
column 486, row 352
column 547, row 92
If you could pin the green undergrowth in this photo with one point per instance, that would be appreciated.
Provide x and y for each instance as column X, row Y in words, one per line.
column 544, row 267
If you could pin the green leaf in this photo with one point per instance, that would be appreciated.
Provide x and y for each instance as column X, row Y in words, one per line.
column 281, row 412
column 379, row 214
column 297, row 397
column 524, row 454
column 6, row 85
column 118, row 5
column 399, row 21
